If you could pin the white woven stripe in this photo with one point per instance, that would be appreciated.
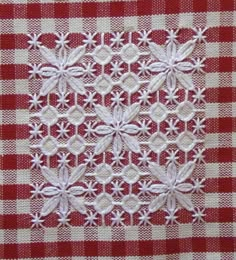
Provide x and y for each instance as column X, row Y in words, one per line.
column 131, row 234
column 19, row 117
column 212, row 80
column 21, row 146
column 104, row 24
column 15, row 176
column 23, row 176
column 211, row 200
column 219, row 140
column 216, row 110
column 21, row 56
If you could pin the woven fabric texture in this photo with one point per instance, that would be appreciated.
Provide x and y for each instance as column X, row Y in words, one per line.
column 156, row 79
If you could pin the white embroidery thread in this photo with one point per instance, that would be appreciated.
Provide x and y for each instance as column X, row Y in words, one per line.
column 121, row 120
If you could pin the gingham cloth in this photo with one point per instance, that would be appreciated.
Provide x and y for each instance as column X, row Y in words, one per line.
column 212, row 239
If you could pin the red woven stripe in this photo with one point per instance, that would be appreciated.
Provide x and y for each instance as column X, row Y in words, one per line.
column 146, row 248
column 20, row 71
column 114, row 9
column 221, row 64
column 221, row 125
column 15, row 161
column 13, row 102
column 13, row 72
column 19, row 41
column 222, row 185
column 13, row 192
column 221, row 155
column 22, row 161
column 12, row 132
column 225, row 94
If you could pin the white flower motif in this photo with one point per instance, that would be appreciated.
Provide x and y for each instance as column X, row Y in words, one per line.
column 117, row 129
column 35, row 131
column 144, row 187
column 118, row 159
column 63, row 130
column 172, row 156
column 36, row 221
column 143, row 39
column 172, row 36
column 171, row 96
column 198, row 185
column 35, row 102
column 62, row 41
column 171, row 65
column 199, row 65
column 117, row 188
column 199, row 125
column 90, row 99
column 37, row 190
column 34, row 42
column 145, row 127
column 144, row 159
column 117, row 39
column 198, row 215
column 62, row 71
column 89, row 69
column 143, row 68
column 90, row 125
column 117, row 218
column 144, row 218
column 90, row 188
column 172, row 187
column 34, row 71
column 116, row 69
column 62, row 193
column 144, row 97
column 172, row 127
column 171, row 217
column 63, row 99
column 89, row 39
column 63, row 159
column 117, row 98
column 63, row 219
column 200, row 37
column 199, row 95
column 91, row 218
column 36, row 160
column 199, row 155
column 90, row 160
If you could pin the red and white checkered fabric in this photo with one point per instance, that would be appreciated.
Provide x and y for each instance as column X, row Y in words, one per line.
column 215, row 238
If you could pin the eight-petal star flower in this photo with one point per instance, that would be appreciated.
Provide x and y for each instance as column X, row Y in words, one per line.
column 118, row 129
column 62, row 192
column 172, row 188
column 171, row 66
column 62, row 71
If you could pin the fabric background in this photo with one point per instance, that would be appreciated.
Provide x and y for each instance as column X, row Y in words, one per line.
column 214, row 239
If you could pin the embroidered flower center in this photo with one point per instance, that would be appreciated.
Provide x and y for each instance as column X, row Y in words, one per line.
column 171, row 65
column 64, row 190
column 171, row 188
column 62, row 70
column 117, row 127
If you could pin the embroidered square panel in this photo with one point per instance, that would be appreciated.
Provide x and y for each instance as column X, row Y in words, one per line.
column 117, row 129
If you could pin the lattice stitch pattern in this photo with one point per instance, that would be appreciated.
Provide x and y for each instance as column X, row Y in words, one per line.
column 117, row 127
